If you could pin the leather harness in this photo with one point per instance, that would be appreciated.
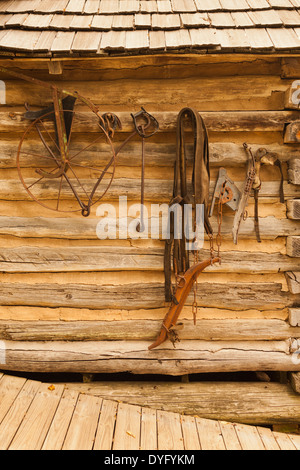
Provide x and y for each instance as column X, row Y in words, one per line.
column 182, row 192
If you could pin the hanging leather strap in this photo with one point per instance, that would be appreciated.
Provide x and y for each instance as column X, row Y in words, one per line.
column 197, row 192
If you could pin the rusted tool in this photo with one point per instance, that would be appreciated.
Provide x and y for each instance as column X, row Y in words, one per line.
column 232, row 194
column 183, row 290
column 146, row 126
column 240, row 214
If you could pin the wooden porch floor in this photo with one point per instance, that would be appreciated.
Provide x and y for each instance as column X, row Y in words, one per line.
column 36, row 415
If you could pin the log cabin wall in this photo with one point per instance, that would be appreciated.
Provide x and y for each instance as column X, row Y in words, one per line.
column 73, row 303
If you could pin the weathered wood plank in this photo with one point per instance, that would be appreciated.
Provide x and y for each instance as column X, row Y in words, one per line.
column 210, row 435
column 34, row 427
column 158, row 154
column 156, row 190
column 134, row 356
column 236, row 296
column 230, row 121
column 16, row 413
column 231, row 440
column 148, row 439
column 86, row 229
column 61, row 421
column 169, row 433
column 245, row 402
column 106, row 425
column 249, row 437
column 9, row 390
column 25, row 259
column 257, row 92
column 190, row 433
column 82, row 429
column 128, row 425
column 267, row 438
column 145, row 330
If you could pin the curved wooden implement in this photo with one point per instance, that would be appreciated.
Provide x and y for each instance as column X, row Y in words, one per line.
column 184, row 288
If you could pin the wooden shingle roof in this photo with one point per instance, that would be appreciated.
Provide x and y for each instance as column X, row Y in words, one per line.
column 95, row 27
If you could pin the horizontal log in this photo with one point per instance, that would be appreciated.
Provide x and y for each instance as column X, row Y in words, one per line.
column 133, row 356
column 156, row 190
column 82, row 228
column 235, row 296
column 249, row 402
column 117, row 258
column 254, row 92
column 157, row 154
column 216, row 121
column 146, row 330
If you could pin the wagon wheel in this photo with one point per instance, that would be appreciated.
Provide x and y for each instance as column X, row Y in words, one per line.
column 72, row 180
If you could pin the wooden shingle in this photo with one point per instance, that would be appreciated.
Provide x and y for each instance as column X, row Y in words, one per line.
column 208, row 5
column 166, row 21
column 176, row 39
column 204, row 37
column 75, row 6
column 109, row 6
column 284, row 38
column 113, row 40
column 45, row 41
column 20, row 6
column 123, row 22
column 281, row 3
column 183, row 6
column 23, row 40
column 241, row 19
column 102, row 22
column 142, row 20
column 258, row 4
column 164, row 6
column 289, row 17
column 232, row 5
column 81, row 22
column 233, row 39
column 157, row 40
column 138, row 40
column 259, row 39
column 4, row 19
column 221, row 20
column 265, row 18
column 148, row 6
column 61, row 22
column 63, row 41
column 37, row 21
column 86, row 41
column 129, row 6
column 91, row 7
column 194, row 19
column 13, row 20
column 51, row 6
